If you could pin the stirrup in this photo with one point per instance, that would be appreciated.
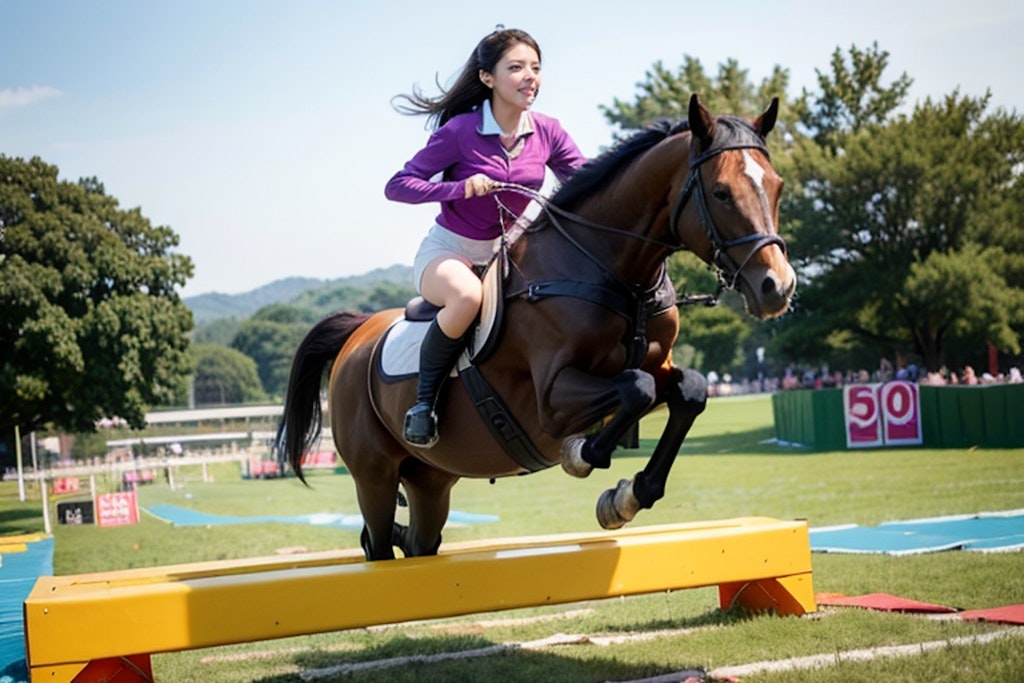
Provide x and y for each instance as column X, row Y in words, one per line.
column 420, row 427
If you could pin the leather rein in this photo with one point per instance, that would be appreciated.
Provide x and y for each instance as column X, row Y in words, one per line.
column 727, row 269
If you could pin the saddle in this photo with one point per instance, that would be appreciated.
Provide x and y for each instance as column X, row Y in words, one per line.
column 397, row 353
column 398, row 356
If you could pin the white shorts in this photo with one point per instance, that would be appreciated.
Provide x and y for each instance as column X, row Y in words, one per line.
column 441, row 241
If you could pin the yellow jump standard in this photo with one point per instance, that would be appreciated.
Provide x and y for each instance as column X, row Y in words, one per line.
column 105, row 626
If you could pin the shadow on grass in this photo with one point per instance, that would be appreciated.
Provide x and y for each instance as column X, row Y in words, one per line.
column 502, row 665
column 475, row 658
column 715, row 617
column 750, row 442
column 20, row 521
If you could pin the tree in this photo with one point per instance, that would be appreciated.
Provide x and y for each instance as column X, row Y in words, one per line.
column 225, row 376
column 270, row 337
column 349, row 297
column 872, row 194
column 934, row 290
column 887, row 203
column 219, row 331
column 716, row 334
column 90, row 322
column 387, row 295
column 665, row 95
column 851, row 97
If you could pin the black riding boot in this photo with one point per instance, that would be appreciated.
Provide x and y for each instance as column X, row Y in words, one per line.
column 437, row 356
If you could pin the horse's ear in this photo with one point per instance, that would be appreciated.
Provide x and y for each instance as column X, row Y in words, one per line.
column 702, row 123
column 764, row 123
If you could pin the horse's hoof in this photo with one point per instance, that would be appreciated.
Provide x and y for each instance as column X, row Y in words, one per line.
column 571, row 457
column 617, row 506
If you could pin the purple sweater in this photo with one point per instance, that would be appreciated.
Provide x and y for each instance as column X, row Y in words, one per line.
column 459, row 150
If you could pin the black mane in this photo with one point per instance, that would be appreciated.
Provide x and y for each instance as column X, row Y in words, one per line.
column 596, row 173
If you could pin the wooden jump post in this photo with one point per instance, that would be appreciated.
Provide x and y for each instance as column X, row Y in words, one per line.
column 105, row 626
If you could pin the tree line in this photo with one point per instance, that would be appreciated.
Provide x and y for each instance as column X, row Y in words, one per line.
column 249, row 361
column 901, row 220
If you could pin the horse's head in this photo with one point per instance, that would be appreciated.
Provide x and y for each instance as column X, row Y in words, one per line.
column 728, row 211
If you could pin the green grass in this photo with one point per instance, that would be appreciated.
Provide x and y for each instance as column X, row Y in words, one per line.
column 727, row 468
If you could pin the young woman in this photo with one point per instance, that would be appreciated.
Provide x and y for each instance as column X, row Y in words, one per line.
column 484, row 133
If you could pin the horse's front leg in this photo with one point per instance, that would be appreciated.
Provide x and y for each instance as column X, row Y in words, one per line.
column 686, row 397
column 629, row 395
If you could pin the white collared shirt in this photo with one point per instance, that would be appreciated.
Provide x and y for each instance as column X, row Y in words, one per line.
column 489, row 125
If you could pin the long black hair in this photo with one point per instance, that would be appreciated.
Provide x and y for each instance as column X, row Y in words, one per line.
column 469, row 91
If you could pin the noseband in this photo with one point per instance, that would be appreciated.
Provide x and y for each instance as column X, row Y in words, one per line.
column 727, row 268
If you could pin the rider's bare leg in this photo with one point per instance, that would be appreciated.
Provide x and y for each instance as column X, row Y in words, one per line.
column 452, row 284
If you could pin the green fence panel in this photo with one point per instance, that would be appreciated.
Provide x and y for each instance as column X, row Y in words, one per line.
column 812, row 418
column 972, row 414
column 829, row 421
column 784, row 413
column 1015, row 415
column 990, row 416
column 780, row 418
column 994, row 405
column 794, row 422
column 950, row 420
column 786, row 406
column 931, row 424
column 1004, row 415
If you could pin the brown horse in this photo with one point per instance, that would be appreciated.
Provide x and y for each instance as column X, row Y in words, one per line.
column 585, row 344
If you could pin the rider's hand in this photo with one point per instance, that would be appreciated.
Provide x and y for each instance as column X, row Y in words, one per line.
column 479, row 185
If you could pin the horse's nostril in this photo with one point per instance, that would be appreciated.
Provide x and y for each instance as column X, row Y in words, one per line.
column 768, row 285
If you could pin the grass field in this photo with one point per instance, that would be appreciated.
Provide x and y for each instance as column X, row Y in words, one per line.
column 726, row 469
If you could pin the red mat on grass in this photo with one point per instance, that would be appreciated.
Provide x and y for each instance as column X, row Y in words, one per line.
column 1011, row 614
column 880, row 601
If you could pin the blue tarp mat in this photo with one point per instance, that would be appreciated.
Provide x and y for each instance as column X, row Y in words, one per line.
column 984, row 532
column 18, row 574
column 179, row 516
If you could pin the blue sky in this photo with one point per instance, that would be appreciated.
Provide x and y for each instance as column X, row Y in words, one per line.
column 261, row 131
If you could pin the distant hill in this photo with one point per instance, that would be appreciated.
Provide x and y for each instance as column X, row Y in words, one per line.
column 214, row 306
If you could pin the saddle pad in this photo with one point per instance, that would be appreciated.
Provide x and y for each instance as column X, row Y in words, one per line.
column 400, row 348
column 399, row 357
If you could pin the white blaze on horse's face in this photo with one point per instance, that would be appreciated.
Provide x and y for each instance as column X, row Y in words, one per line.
column 768, row 280
column 755, row 172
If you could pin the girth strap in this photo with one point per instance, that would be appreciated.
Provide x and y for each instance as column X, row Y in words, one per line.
column 612, row 298
column 631, row 307
column 502, row 424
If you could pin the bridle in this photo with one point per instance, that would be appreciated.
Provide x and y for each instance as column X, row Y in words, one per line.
column 738, row 135
column 727, row 268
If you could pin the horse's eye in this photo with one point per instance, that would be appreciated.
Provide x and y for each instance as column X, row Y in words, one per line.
column 722, row 194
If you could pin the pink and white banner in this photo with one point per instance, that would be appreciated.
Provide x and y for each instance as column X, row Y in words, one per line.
column 117, row 509
column 882, row 414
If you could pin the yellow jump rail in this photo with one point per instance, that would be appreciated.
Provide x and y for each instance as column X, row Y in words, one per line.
column 105, row 626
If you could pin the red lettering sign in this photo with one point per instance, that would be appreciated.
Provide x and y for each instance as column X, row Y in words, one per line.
column 863, row 418
column 882, row 414
column 901, row 405
column 62, row 485
column 116, row 509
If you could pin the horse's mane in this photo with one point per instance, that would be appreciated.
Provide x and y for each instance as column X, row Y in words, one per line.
column 599, row 171
column 595, row 174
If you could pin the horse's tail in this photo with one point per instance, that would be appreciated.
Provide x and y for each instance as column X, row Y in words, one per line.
column 302, row 420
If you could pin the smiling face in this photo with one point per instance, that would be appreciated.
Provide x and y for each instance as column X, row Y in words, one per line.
column 515, row 80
